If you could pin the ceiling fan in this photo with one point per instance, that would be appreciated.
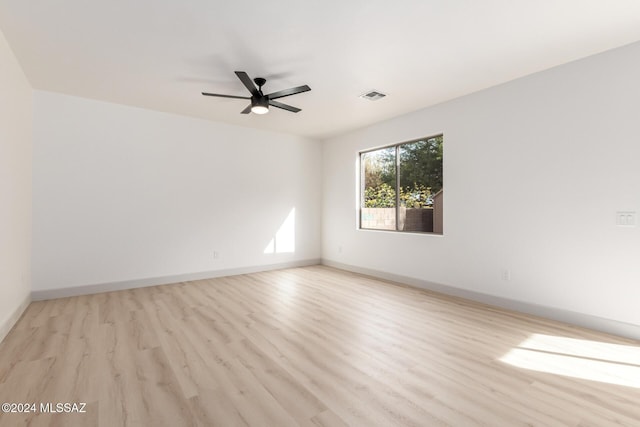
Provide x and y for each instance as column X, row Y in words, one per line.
column 260, row 102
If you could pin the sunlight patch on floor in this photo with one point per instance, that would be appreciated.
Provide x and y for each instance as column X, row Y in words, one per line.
column 578, row 358
column 286, row 291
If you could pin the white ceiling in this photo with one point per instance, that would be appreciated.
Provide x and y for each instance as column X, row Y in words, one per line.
column 160, row 54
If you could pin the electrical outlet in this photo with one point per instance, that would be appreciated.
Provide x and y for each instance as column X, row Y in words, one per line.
column 505, row 274
column 626, row 219
column 216, row 255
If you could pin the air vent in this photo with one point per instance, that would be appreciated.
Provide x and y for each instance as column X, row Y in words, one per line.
column 372, row 95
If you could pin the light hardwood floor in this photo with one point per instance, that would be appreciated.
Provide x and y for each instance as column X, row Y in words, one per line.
column 310, row 346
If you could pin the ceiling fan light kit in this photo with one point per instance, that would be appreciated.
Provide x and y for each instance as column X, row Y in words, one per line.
column 260, row 105
column 259, row 101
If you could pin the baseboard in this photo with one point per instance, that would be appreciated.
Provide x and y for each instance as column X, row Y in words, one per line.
column 627, row 330
column 164, row 280
column 7, row 324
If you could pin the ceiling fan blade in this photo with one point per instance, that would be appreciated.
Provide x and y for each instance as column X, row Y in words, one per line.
column 289, row 92
column 284, row 106
column 246, row 80
column 246, row 110
column 225, row 96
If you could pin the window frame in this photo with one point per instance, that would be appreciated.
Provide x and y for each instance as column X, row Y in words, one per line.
column 361, row 188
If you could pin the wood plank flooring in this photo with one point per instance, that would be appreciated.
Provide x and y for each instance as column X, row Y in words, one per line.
column 310, row 346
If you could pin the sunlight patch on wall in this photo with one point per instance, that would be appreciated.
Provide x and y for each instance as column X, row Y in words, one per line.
column 578, row 358
column 285, row 239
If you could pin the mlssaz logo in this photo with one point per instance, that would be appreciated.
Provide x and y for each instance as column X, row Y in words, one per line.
column 66, row 408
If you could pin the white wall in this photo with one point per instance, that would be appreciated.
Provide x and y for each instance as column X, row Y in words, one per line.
column 534, row 172
column 15, row 187
column 124, row 194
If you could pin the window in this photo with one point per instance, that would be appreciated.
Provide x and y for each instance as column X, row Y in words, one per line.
column 401, row 187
